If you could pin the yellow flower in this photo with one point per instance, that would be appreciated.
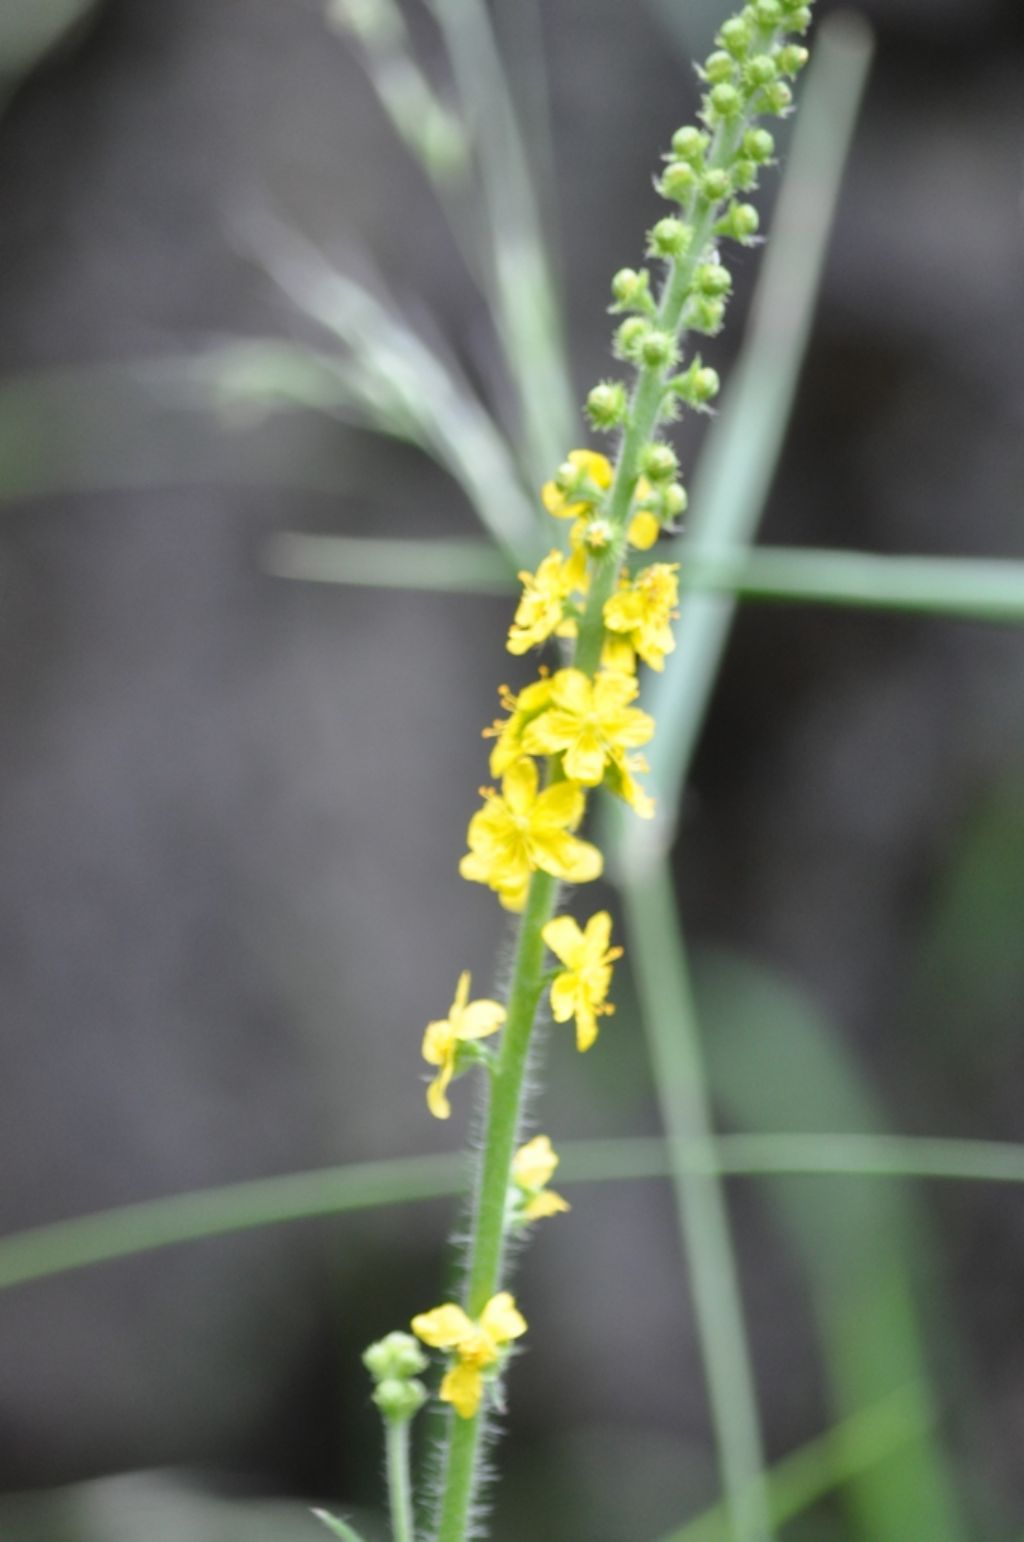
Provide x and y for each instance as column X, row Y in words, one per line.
column 582, row 989
column 567, row 497
column 525, row 829
column 466, row 1020
column 533, row 1167
column 477, row 1345
column 588, row 723
column 541, row 609
column 638, row 616
column 619, row 779
column 522, row 709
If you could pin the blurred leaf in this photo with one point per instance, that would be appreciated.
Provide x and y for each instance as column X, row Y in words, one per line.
column 800, row 1480
column 776, row 1062
column 30, row 28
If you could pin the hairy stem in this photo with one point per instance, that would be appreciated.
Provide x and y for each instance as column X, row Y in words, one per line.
column 487, row 1246
column 403, row 1528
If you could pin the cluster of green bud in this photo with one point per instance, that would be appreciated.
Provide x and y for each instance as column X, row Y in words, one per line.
column 708, row 173
column 748, row 72
column 395, row 1362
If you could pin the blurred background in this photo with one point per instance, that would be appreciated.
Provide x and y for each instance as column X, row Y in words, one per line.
column 231, row 805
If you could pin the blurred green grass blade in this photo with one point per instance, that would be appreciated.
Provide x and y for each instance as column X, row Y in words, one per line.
column 823, row 1465
column 451, row 567
column 975, row 589
column 743, row 446
column 661, row 972
column 336, row 1527
column 61, row 1246
column 525, row 300
column 776, row 1061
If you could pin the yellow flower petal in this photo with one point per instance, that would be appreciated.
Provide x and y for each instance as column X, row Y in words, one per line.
column 564, row 938
column 445, row 1327
column 644, row 530
column 462, row 1387
column 565, row 857
column 501, row 1320
column 546, row 1203
column 437, row 1101
column 481, row 1018
column 534, row 1164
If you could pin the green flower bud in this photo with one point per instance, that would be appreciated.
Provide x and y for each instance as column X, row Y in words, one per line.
column 706, row 385
column 690, row 144
column 715, row 185
column 792, row 58
column 704, row 313
column 711, row 278
column 669, row 238
column 768, row 13
column 674, row 500
column 658, row 462
column 741, row 222
column 678, row 181
column 395, row 1356
column 719, row 67
column 630, row 336
column 607, row 404
column 658, row 349
column 744, row 175
column 735, row 36
column 776, row 98
column 631, row 290
column 799, row 20
column 399, row 1400
column 725, row 102
column 697, row 386
column 759, row 145
column 760, row 70
column 598, row 535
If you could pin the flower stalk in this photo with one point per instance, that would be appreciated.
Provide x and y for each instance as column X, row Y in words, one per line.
column 578, row 726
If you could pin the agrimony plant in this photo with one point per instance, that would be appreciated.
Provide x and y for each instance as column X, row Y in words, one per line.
column 605, row 608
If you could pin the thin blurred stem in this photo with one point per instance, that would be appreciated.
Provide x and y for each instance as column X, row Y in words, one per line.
column 673, row 1038
column 396, row 1439
column 103, row 1236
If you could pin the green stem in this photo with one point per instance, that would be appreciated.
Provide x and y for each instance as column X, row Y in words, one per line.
column 669, row 1020
column 399, row 1483
column 487, row 1248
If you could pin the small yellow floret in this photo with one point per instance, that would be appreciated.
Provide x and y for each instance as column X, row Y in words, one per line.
column 568, row 496
column 466, row 1020
column 508, row 732
column 532, row 1170
column 541, row 612
column 525, row 829
column 639, row 617
column 581, row 990
column 477, row 1345
column 588, row 723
